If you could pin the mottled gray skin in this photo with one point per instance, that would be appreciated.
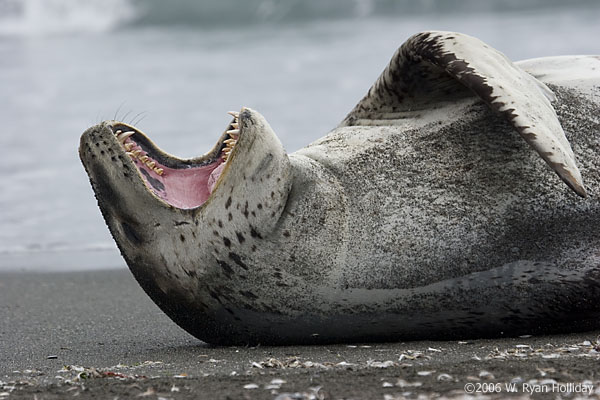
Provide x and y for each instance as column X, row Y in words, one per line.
column 444, row 224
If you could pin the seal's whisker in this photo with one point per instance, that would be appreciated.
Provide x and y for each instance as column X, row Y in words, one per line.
column 125, row 116
column 135, row 116
column 119, row 109
column 136, row 121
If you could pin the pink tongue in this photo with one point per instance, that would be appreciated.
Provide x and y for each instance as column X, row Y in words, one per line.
column 212, row 179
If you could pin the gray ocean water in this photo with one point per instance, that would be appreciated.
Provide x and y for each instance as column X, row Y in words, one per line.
column 176, row 67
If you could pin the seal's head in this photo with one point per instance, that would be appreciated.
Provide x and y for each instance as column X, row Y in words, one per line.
column 174, row 219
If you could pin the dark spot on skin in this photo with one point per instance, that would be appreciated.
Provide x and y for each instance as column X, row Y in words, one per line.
column 248, row 294
column 182, row 238
column 286, row 233
column 229, row 216
column 228, row 203
column 254, row 233
column 179, row 223
column 191, row 274
column 214, row 295
column 220, row 224
column 253, row 214
column 246, row 210
column 253, row 248
column 156, row 225
column 272, row 194
column 215, row 233
column 259, row 206
column 131, row 234
column 240, row 237
column 238, row 260
column 226, row 267
column 227, row 242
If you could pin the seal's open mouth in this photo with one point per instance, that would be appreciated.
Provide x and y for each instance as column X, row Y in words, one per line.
column 180, row 183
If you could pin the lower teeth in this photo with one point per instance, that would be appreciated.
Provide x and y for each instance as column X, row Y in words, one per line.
column 234, row 134
column 137, row 153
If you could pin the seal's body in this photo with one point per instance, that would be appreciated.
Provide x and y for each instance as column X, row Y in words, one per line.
column 424, row 214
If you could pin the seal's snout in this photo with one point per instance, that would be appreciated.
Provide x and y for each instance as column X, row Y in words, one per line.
column 102, row 160
column 93, row 141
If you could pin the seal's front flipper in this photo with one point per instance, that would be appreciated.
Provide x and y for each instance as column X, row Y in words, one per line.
column 432, row 69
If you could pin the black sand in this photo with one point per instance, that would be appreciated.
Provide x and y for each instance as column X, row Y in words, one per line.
column 97, row 335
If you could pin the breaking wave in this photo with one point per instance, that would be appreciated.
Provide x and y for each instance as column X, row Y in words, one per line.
column 41, row 17
column 47, row 17
column 232, row 13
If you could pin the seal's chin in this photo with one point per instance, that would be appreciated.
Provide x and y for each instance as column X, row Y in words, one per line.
column 180, row 183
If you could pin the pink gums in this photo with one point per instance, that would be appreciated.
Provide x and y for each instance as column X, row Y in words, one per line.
column 182, row 188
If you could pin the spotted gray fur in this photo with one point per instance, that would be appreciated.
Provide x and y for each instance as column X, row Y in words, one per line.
column 422, row 215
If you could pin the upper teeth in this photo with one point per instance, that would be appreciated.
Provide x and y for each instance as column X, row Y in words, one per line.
column 123, row 136
column 234, row 135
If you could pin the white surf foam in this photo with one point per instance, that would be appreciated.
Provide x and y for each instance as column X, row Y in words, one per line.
column 48, row 17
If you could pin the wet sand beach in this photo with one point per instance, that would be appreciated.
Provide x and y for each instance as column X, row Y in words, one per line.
column 97, row 335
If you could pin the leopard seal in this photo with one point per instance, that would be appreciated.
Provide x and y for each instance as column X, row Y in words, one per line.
column 429, row 212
